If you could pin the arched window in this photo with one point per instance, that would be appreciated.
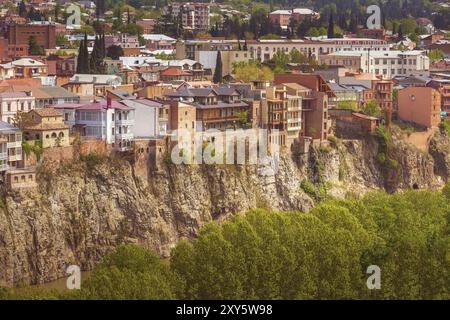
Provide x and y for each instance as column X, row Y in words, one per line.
column 47, row 136
column 22, row 178
column 61, row 134
column 53, row 134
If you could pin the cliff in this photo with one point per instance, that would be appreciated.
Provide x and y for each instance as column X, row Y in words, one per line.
column 82, row 209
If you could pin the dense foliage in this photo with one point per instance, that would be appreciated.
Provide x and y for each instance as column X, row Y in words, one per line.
column 322, row 254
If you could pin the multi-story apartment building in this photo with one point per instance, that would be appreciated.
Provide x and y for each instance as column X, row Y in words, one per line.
column 217, row 107
column 110, row 121
column 45, row 35
column 263, row 50
column 282, row 115
column 386, row 64
column 13, row 102
column 193, row 16
column 122, row 40
column 420, row 105
column 317, row 96
column 284, row 17
column 10, row 146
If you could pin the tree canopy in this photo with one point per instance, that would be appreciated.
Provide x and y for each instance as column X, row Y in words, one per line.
column 321, row 254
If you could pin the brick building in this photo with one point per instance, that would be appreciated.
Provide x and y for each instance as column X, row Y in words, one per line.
column 45, row 35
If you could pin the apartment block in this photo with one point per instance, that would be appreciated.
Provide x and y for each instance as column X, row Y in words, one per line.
column 194, row 16
column 315, row 102
column 10, row 146
column 217, row 107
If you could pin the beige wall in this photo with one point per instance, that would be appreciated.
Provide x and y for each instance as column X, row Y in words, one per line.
column 421, row 105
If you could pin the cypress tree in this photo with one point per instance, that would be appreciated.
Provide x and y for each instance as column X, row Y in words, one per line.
column 330, row 33
column 80, row 57
column 85, row 55
column 218, row 71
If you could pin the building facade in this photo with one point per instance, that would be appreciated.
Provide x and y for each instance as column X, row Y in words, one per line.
column 420, row 105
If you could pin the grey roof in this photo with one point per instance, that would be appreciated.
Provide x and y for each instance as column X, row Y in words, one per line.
column 204, row 92
column 124, row 94
column 146, row 102
column 58, row 92
column 6, row 127
column 337, row 87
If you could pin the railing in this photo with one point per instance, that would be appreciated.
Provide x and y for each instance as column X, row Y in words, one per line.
column 121, row 136
column 4, row 167
column 3, row 155
column 125, row 122
column 14, row 144
column 15, row 157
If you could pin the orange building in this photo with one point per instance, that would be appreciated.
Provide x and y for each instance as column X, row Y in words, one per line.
column 421, row 105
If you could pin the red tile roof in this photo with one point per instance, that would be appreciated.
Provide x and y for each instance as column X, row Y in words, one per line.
column 174, row 71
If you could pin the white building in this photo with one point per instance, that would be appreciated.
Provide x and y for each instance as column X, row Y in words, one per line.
column 387, row 64
column 151, row 118
column 13, row 102
column 263, row 50
column 109, row 120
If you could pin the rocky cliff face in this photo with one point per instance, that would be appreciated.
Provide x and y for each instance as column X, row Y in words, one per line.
column 83, row 209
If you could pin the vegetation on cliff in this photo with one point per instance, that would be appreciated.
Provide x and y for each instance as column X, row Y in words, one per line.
column 322, row 254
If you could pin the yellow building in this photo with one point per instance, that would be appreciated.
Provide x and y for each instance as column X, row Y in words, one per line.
column 47, row 125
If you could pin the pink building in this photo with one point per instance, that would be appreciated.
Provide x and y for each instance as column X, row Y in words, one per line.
column 194, row 16
column 283, row 17
column 420, row 105
column 123, row 40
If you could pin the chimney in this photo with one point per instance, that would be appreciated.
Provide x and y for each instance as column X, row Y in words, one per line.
column 108, row 102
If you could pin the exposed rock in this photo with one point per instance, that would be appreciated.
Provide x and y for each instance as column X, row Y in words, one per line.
column 81, row 211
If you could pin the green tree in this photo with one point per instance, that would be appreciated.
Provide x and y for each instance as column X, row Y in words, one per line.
column 252, row 70
column 217, row 78
column 436, row 54
column 371, row 108
column 130, row 272
column 34, row 48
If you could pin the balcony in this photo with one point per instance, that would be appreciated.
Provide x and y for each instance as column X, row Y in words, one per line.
column 125, row 122
column 14, row 144
column 124, row 136
column 4, row 167
column 3, row 155
column 15, row 157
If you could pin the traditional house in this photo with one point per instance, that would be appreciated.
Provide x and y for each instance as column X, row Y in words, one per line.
column 47, row 125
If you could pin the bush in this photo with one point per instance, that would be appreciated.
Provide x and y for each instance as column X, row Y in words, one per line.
column 308, row 188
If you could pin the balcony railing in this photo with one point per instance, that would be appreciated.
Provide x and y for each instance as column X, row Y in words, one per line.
column 3, row 155
column 4, row 167
column 15, row 157
column 14, row 144
column 124, row 136
column 125, row 122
